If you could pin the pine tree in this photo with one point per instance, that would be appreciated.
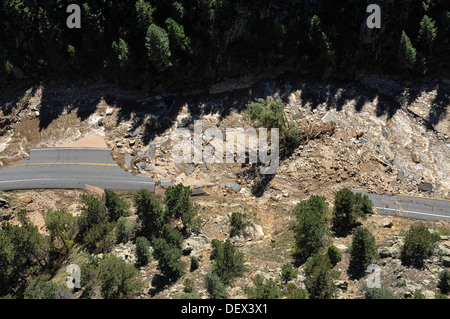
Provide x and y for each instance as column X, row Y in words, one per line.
column 157, row 44
column 427, row 33
column 406, row 54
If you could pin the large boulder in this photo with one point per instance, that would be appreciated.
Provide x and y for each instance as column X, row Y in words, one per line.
column 196, row 244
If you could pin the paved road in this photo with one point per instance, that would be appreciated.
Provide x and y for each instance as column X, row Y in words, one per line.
column 71, row 168
column 410, row 206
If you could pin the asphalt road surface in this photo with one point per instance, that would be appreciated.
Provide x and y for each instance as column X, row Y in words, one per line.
column 410, row 206
column 71, row 168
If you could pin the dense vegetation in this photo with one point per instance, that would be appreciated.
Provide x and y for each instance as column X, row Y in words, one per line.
column 146, row 43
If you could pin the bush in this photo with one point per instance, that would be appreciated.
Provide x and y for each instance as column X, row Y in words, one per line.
column 444, row 281
column 62, row 226
column 288, row 273
column 188, row 285
column 150, row 213
column 297, row 293
column 116, row 206
column 261, row 290
column 118, row 280
column 379, row 293
column 439, row 295
column 100, row 238
column 168, row 259
column 89, row 275
column 311, row 231
column 363, row 250
column 347, row 208
column 334, row 254
column 125, row 230
column 216, row 289
column 419, row 244
column 178, row 204
column 172, row 236
column 195, row 263
column 93, row 212
column 238, row 223
column 418, row 294
column 142, row 250
column 42, row 287
column 320, row 277
column 228, row 262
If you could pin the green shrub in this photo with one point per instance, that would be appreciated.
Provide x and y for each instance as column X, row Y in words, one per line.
column 419, row 244
column 288, row 272
column 348, row 207
column 116, row 206
column 100, row 238
column 150, row 213
column 320, row 277
column 379, row 293
column 168, row 258
column 228, row 262
column 188, row 285
column 311, row 231
column 444, row 281
column 216, row 289
column 142, row 250
column 62, row 226
column 261, row 289
column 195, row 263
column 363, row 250
column 93, row 212
column 418, row 294
column 334, row 254
column 439, row 295
column 172, row 236
column 297, row 293
column 118, row 280
column 125, row 230
column 238, row 223
column 42, row 287
column 178, row 204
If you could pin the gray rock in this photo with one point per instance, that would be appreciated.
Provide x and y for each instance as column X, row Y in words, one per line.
column 151, row 151
column 393, row 251
column 149, row 168
column 256, row 231
column 363, row 140
column 235, row 187
column 386, row 222
column 198, row 192
column 330, row 118
column 166, row 182
column 136, row 132
column 400, row 174
column 196, row 244
column 298, row 116
column 427, row 187
column 190, row 170
column 128, row 158
column 385, row 134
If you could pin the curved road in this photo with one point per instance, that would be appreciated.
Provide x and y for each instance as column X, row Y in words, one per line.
column 71, row 168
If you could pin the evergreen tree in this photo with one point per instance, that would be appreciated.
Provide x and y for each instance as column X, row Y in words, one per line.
column 406, row 53
column 363, row 251
column 427, row 33
column 158, row 50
